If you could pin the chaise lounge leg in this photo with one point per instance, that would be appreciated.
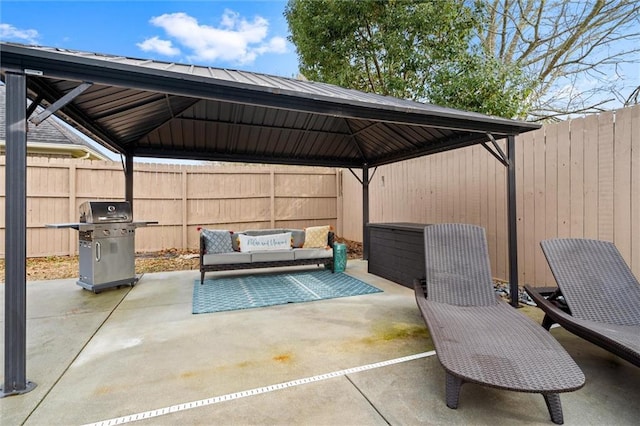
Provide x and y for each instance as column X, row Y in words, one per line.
column 547, row 322
column 201, row 277
column 453, row 385
column 554, row 406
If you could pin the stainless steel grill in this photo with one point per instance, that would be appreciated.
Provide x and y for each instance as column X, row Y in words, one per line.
column 106, row 244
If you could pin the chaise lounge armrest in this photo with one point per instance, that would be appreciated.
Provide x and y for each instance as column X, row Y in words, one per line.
column 600, row 290
column 618, row 339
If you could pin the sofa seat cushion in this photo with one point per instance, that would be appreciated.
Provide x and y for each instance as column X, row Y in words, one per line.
column 271, row 255
column 312, row 253
column 226, row 258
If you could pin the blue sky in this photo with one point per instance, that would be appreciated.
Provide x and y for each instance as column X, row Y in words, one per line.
column 246, row 35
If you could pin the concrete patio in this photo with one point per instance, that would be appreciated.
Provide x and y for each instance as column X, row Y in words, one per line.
column 138, row 350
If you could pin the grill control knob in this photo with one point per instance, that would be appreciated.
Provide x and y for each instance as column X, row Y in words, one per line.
column 106, row 232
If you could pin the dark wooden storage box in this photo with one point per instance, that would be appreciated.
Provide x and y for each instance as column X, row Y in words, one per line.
column 396, row 251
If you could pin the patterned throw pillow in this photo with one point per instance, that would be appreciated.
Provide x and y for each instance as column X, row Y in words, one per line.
column 316, row 236
column 216, row 241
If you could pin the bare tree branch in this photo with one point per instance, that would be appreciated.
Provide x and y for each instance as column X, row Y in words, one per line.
column 555, row 41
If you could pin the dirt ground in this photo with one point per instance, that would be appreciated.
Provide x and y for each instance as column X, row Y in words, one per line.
column 58, row 267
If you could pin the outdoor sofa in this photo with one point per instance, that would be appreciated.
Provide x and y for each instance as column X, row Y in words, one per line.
column 222, row 250
column 597, row 298
column 478, row 337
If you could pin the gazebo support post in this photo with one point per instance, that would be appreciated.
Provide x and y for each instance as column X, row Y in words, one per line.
column 365, row 212
column 15, row 300
column 128, row 179
column 513, row 220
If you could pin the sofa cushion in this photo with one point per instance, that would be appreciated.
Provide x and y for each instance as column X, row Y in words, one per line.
column 265, row 242
column 312, row 253
column 217, row 241
column 271, row 256
column 297, row 237
column 226, row 258
column 316, row 236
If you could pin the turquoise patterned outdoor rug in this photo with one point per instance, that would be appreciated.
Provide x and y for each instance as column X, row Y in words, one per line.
column 254, row 291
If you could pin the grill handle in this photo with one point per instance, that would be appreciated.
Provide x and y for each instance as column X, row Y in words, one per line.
column 98, row 251
column 109, row 218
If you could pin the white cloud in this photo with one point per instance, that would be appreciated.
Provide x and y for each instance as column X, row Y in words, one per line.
column 275, row 45
column 235, row 40
column 163, row 47
column 9, row 32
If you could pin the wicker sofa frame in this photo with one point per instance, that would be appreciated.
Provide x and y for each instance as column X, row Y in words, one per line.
column 597, row 298
column 328, row 262
column 478, row 337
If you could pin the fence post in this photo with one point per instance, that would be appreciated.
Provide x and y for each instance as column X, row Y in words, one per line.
column 185, row 225
column 73, row 213
column 273, row 198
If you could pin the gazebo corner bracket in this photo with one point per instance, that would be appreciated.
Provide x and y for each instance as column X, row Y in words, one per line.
column 497, row 152
column 372, row 174
column 35, row 104
column 358, row 177
column 70, row 96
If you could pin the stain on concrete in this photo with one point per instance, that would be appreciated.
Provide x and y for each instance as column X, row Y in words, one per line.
column 103, row 390
column 391, row 331
column 187, row 374
column 283, row 358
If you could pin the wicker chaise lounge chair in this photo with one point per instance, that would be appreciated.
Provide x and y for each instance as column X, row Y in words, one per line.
column 479, row 338
column 601, row 295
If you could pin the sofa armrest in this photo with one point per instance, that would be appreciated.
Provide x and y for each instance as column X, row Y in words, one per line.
column 330, row 239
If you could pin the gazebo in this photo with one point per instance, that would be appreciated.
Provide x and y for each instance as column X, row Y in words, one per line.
column 147, row 108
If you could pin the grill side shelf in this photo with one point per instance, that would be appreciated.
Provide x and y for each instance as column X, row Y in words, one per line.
column 75, row 226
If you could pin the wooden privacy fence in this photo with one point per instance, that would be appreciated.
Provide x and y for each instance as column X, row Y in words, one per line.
column 579, row 178
column 181, row 198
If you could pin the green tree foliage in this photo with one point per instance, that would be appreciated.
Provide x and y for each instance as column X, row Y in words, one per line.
column 419, row 50
column 486, row 85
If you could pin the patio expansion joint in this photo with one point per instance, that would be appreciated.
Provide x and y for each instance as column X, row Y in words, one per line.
column 367, row 399
column 64, row 371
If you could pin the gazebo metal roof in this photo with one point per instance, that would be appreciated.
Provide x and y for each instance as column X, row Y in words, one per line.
column 146, row 108
column 149, row 108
